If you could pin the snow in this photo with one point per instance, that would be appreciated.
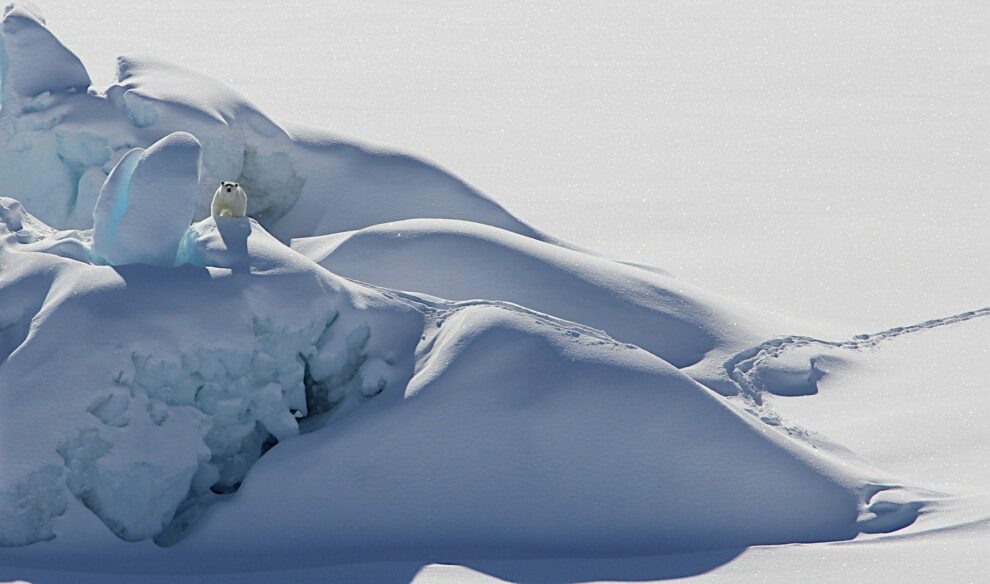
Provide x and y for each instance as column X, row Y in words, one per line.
column 180, row 402
column 147, row 202
column 33, row 63
column 462, row 260
column 645, row 468
column 822, row 161
column 292, row 178
column 231, row 344
column 382, row 368
column 920, row 380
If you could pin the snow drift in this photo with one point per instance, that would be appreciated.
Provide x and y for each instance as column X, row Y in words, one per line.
column 203, row 368
column 219, row 358
column 51, row 120
column 33, row 63
column 147, row 365
column 520, row 435
column 462, row 260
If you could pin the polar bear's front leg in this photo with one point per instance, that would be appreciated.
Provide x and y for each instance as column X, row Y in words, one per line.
column 238, row 203
column 216, row 208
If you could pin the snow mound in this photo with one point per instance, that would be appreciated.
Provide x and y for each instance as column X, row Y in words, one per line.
column 460, row 260
column 33, row 63
column 527, row 436
column 201, row 369
column 60, row 143
column 148, row 202
column 206, row 387
column 152, row 87
column 415, row 409
column 361, row 186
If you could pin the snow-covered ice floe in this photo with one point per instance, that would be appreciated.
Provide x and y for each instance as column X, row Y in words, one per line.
column 146, row 393
column 380, row 362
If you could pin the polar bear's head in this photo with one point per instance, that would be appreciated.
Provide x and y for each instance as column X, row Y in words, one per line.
column 229, row 186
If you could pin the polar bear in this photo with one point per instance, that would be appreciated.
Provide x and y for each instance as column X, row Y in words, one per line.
column 230, row 200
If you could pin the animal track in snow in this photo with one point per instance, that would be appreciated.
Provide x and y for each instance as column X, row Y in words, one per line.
column 753, row 380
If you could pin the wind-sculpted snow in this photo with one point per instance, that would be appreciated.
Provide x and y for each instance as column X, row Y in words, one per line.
column 199, row 370
column 205, row 366
column 460, row 260
column 60, row 141
column 148, row 202
column 524, row 435
column 33, row 63
column 476, row 390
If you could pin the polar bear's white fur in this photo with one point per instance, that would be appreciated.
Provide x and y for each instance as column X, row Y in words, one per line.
column 230, row 200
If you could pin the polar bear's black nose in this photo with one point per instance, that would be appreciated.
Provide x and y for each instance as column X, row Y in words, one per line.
column 228, row 189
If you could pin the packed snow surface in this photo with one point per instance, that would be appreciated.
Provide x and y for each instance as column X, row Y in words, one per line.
column 463, row 260
column 382, row 364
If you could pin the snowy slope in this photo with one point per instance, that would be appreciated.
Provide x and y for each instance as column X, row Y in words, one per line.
column 913, row 403
column 460, row 260
column 520, row 437
column 210, row 361
column 295, row 179
column 420, row 376
column 919, row 391
column 930, row 552
column 221, row 356
column 824, row 160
